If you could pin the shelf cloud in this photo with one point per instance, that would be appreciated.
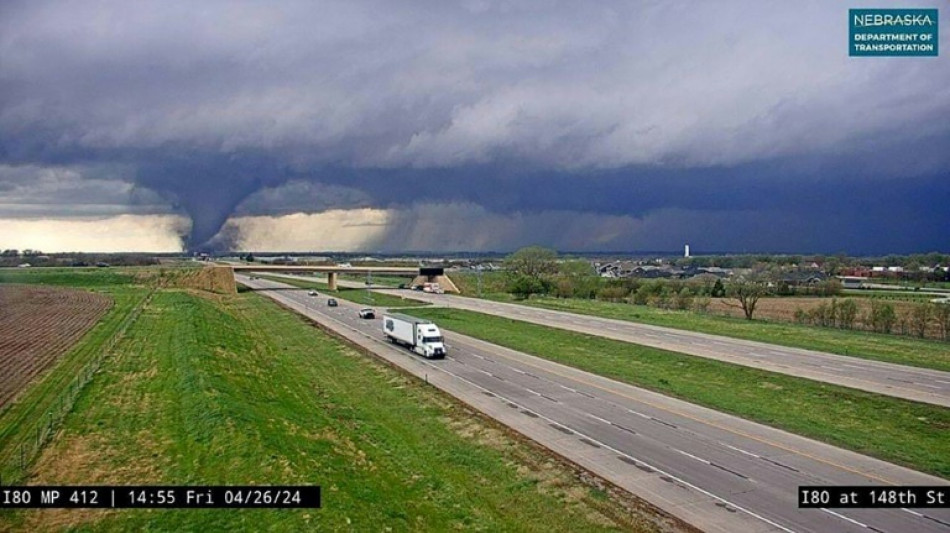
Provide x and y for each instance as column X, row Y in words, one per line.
column 551, row 122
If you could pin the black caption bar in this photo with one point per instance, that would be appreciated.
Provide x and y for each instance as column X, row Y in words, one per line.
column 159, row 497
column 874, row 497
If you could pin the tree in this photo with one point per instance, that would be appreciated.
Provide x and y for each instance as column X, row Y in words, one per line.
column 920, row 319
column 580, row 277
column 942, row 314
column 747, row 290
column 524, row 286
column 847, row 314
column 718, row 289
column 535, row 264
column 882, row 316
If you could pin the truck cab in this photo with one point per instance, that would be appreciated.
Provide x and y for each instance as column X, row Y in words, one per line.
column 430, row 343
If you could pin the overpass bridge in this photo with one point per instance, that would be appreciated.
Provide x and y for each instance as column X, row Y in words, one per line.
column 420, row 274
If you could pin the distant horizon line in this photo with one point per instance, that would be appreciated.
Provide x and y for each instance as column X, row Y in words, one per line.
column 468, row 253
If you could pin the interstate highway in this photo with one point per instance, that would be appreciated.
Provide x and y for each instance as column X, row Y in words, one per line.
column 716, row 471
column 900, row 381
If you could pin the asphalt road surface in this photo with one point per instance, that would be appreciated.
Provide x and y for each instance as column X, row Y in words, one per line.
column 716, row 471
column 911, row 383
column 901, row 381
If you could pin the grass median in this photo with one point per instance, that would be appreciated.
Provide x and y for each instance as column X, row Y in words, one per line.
column 235, row 390
column 360, row 296
column 892, row 429
column 877, row 346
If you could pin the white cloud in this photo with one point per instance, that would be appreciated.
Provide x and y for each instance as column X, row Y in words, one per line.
column 123, row 233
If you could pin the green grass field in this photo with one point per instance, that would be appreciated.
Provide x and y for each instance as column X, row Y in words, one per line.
column 86, row 278
column 888, row 428
column 20, row 420
column 209, row 389
column 899, row 296
column 360, row 296
column 891, row 348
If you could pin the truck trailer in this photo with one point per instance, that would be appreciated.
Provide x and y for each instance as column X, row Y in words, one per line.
column 422, row 336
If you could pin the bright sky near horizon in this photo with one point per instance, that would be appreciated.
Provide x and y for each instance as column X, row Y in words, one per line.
column 466, row 125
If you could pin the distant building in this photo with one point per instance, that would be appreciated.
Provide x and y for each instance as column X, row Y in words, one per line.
column 852, row 282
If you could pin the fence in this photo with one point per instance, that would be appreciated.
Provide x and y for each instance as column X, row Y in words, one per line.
column 14, row 465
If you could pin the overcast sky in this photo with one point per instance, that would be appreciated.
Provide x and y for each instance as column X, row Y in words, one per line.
column 468, row 125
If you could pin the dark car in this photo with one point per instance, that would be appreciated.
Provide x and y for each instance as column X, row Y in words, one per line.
column 332, row 302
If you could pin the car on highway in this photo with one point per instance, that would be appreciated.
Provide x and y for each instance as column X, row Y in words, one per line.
column 366, row 312
column 312, row 293
column 332, row 302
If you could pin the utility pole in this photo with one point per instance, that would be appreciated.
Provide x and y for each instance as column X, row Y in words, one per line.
column 369, row 285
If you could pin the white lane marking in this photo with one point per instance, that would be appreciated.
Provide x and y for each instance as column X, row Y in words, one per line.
column 618, row 452
column 756, row 354
column 536, row 393
column 567, row 388
column 485, row 372
column 928, row 386
column 604, row 445
column 843, row 517
column 854, row 366
column 518, row 371
column 942, row 381
column 700, row 459
column 740, row 450
column 912, row 512
column 595, row 417
column 648, row 417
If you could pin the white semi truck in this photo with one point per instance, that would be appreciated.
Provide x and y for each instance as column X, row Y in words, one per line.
column 422, row 336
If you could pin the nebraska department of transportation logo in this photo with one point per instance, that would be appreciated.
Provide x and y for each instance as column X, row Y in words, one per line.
column 893, row 32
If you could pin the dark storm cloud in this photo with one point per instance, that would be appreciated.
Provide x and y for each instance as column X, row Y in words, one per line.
column 740, row 110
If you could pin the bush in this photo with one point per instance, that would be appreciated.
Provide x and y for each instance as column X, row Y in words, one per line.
column 920, row 319
column 612, row 294
column 882, row 317
column 942, row 314
column 683, row 300
column 847, row 314
column 701, row 304
column 800, row 316
column 524, row 286
column 564, row 288
column 642, row 296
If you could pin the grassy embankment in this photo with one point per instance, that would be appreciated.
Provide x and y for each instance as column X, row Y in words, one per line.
column 20, row 420
column 888, row 428
column 235, row 390
column 923, row 353
column 360, row 296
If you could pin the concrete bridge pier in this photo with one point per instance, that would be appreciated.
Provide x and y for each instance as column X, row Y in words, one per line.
column 331, row 281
